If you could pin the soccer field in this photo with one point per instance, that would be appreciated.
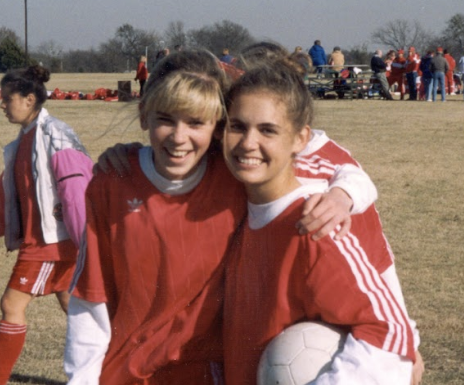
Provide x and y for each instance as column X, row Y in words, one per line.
column 413, row 151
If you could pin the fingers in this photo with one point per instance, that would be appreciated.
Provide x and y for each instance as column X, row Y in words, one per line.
column 322, row 214
column 417, row 370
column 101, row 165
column 311, row 203
column 345, row 228
column 114, row 158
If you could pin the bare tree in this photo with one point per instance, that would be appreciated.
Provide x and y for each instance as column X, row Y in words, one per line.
column 50, row 54
column 175, row 34
column 134, row 42
column 86, row 61
column 453, row 36
column 359, row 54
column 225, row 34
column 402, row 34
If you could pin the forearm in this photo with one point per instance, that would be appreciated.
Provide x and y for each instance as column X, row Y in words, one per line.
column 357, row 184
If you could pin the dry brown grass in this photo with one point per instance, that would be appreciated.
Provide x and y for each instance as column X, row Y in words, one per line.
column 413, row 152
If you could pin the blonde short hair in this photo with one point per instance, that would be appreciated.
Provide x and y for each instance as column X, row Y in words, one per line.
column 187, row 92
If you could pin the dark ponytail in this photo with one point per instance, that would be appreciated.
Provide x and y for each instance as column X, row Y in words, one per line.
column 27, row 81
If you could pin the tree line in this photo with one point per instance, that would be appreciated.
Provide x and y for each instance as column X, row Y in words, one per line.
column 122, row 52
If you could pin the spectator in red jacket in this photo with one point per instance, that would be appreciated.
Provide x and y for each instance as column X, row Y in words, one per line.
column 449, row 80
column 412, row 67
column 142, row 73
column 398, row 69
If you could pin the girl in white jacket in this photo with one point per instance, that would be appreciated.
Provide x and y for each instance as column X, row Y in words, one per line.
column 46, row 173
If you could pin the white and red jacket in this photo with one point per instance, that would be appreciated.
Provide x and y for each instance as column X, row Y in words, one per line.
column 61, row 172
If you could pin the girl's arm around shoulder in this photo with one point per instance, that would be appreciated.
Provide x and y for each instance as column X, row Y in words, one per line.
column 357, row 184
column 87, row 338
column 351, row 191
column 72, row 170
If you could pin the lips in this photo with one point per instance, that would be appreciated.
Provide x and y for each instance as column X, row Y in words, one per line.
column 249, row 161
column 177, row 153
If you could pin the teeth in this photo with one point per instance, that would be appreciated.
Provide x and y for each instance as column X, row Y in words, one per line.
column 178, row 154
column 250, row 161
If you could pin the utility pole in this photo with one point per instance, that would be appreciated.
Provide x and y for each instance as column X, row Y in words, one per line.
column 25, row 33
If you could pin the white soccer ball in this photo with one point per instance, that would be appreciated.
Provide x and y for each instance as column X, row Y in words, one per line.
column 300, row 354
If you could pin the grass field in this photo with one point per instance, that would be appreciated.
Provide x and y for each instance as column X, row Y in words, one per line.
column 412, row 150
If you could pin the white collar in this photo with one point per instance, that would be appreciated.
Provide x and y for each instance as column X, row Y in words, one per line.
column 261, row 215
column 166, row 186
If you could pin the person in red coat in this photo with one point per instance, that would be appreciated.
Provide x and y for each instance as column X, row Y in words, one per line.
column 142, row 73
column 449, row 80
column 398, row 69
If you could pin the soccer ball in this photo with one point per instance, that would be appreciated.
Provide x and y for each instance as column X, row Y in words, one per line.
column 300, row 354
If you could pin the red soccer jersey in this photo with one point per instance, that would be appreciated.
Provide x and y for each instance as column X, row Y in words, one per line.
column 398, row 66
column 33, row 247
column 157, row 260
column 321, row 164
column 277, row 278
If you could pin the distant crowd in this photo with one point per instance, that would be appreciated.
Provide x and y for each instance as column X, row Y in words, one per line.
column 400, row 72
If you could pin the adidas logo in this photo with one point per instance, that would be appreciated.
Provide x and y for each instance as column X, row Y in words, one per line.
column 134, row 205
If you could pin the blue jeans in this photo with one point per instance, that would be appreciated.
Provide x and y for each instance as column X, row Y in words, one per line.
column 428, row 83
column 439, row 77
column 411, row 79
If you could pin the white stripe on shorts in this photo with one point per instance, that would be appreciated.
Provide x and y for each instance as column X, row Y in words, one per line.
column 45, row 271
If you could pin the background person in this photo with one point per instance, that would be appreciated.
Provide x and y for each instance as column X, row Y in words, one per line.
column 318, row 57
column 398, row 68
column 460, row 71
column 449, row 80
column 46, row 173
column 142, row 73
column 337, row 60
column 439, row 66
column 412, row 66
column 226, row 57
column 427, row 76
column 379, row 68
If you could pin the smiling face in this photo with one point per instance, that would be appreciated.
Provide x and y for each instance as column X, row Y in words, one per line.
column 18, row 109
column 181, row 112
column 179, row 141
column 260, row 143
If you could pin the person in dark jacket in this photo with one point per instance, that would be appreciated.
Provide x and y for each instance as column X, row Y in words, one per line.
column 427, row 76
column 379, row 67
column 318, row 57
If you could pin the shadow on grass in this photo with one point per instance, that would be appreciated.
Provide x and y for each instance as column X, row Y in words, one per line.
column 22, row 379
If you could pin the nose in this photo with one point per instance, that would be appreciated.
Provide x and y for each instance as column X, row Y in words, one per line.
column 179, row 132
column 249, row 139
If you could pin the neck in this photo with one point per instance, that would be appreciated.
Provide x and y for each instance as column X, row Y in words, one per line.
column 268, row 192
column 32, row 116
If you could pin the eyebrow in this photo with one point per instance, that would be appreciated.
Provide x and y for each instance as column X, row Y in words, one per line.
column 264, row 124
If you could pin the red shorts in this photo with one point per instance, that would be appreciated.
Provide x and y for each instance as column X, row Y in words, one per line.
column 41, row 278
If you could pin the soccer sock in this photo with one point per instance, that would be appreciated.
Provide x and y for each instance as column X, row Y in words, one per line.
column 12, row 339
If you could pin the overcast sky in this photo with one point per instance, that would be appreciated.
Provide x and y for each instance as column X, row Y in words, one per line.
column 83, row 24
